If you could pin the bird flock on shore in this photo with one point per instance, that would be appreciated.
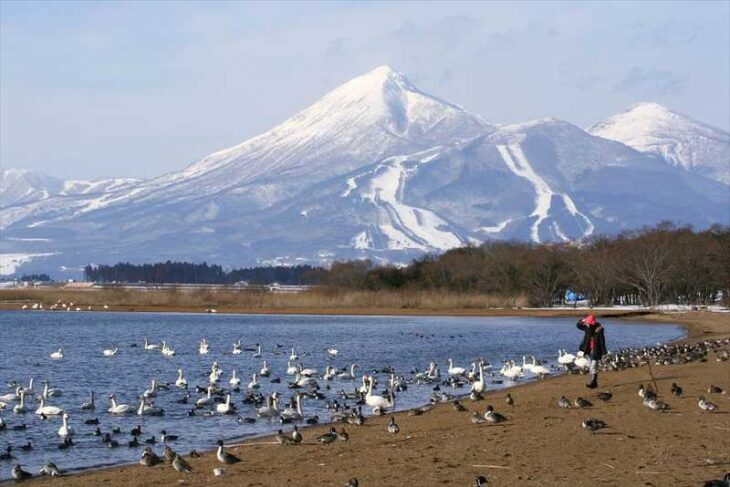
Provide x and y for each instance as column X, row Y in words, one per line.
column 226, row 393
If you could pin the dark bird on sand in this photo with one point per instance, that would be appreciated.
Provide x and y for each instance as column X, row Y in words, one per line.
column 593, row 424
column 605, row 395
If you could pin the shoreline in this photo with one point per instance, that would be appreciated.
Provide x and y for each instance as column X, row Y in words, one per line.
column 709, row 325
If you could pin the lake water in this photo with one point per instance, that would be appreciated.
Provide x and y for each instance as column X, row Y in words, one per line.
column 405, row 343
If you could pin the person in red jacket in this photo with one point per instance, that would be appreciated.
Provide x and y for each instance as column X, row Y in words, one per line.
column 593, row 345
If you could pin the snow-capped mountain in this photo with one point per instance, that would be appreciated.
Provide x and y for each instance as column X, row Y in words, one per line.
column 680, row 140
column 377, row 169
column 22, row 186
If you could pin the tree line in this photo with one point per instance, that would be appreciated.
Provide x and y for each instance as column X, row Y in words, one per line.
column 191, row 273
column 650, row 266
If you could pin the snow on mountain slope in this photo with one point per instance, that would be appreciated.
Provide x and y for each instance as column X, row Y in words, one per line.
column 21, row 186
column 682, row 141
column 375, row 169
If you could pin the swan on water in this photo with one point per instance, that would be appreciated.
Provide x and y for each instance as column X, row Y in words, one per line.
column 20, row 407
column 348, row 375
column 378, row 403
column 58, row 354
column 265, row 371
column 237, row 348
column 270, row 410
column 234, row 381
column 65, row 430
column 226, row 407
column 110, row 352
column 290, row 369
column 254, row 384
column 87, row 406
column 118, row 408
column 203, row 347
column 181, row 381
column 47, row 410
column 293, row 413
column 455, row 370
column 150, row 346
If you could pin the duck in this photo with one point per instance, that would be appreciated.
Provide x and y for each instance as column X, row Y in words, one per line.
column 583, row 403
column 453, row 371
column 110, row 352
column 66, row 444
column 118, row 408
column 328, row 437
column 27, row 447
column 676, row 390
column 181, row 381
column 605, row 395
column 19, row 474
column 393, row 428
column 58, row 354
column 593, row 424
column 296, row 436
column 509, row 400
column 476, row 418
column 145, row 409
column 481, row 481
column 655, row 404
column 149, row 458
column 65, row 430
column 47, row 410
column 224, row 456
column 283, row 439
column 706, row 405
column 150, row 346
column 234, row 381
column 564, row 402
column 20, row 407
column 492, row 416
column 90, row 405
column 180, row 465
column 226, row 407
column 50, row 469
column 353, row 482
column 164, row 437
column 712, row 389
column 8, row 455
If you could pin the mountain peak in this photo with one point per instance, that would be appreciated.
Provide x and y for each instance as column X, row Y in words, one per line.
column 682, row 141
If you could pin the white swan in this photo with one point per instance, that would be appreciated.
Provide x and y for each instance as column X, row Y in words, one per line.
column 479, row 386
column 118, row 408
column 307, row 372
column 539, row 370
column 290, row 369
column 378, row 403
column 65, row 430
column 565, row 358
column 205, row 400
column 294, row 413
column 87, row 406
column 581, row 361
column 50, row 391
column 293, row 356
column 234, row 381
column 181, row 381
column 254, row 384
column 215, row 373
column 58, row 354
column 110, row 352
column 237, row 348
column 270, row 410
column 257, row 353
column 47, row 410
column 13, row 396
column 348, row 375
column 20, row 408
column 226, row 407
column 167, row 350
column 511, row 371
column 151, row 346
column 204, row 347
column 329, row 373
column 526, row 367
column 332, row 351
column 265, row 371
column 146, row 409
column 29, row 389
column 455, row 370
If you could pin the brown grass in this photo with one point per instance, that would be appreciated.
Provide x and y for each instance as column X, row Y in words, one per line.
column 246, row 299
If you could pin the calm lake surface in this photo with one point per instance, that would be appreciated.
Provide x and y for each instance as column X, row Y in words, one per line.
column 405, row 343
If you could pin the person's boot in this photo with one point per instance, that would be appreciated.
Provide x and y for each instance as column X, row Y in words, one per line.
column 594, row 382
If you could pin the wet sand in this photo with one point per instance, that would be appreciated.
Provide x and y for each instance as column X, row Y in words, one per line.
column 540, row 444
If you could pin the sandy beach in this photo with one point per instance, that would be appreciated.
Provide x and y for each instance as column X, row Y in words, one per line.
column 540, row 444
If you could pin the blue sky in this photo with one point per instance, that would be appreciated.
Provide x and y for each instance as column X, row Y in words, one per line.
column 142, row 88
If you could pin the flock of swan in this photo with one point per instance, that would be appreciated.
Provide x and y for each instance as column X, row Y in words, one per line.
column 340, row 390
column 219, row 392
